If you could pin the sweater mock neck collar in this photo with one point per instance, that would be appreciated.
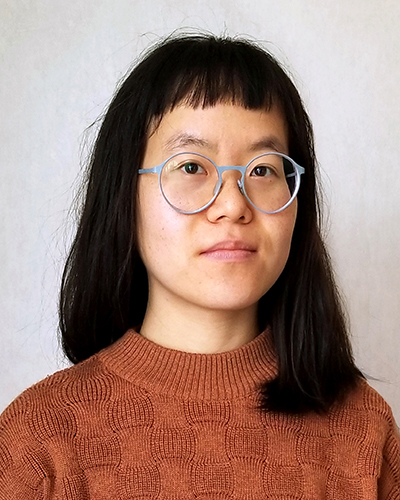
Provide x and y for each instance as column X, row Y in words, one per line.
column 189, row 375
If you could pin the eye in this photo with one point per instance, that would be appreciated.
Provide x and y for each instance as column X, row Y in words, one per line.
column 262, row 171
column 191, row 167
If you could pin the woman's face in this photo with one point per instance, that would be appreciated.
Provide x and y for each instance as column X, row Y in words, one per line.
column 230, row 254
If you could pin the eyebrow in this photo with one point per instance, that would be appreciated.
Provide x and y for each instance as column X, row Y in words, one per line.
column 270, row 142
column 185, row 139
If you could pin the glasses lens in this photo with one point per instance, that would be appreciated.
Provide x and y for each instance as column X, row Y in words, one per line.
column 271, row 181
column 188, row 181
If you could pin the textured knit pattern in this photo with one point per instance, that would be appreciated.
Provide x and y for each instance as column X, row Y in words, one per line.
column 138, row 421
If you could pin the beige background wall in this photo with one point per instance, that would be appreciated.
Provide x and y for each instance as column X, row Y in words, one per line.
column 59, row 65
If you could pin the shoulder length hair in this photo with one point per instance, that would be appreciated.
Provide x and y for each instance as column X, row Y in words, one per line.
column 104, row 286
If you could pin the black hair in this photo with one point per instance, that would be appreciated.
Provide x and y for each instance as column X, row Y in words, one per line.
column 104, row 286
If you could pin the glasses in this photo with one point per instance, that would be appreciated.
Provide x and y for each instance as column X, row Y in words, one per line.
column 190, row 182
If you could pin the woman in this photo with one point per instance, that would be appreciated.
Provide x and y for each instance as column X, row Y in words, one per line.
column 198, row 305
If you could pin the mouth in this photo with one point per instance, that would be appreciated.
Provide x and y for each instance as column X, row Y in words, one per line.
column 230, row 251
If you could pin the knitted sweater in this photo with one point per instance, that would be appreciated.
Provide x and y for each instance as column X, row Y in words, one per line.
column 139, row 421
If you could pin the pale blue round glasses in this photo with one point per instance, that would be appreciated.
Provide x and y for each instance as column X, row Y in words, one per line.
column 190, row 182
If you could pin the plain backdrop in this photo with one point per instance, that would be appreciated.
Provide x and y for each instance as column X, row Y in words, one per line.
column 60, row 63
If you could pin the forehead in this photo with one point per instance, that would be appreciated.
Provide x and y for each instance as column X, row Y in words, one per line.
column 220, row 128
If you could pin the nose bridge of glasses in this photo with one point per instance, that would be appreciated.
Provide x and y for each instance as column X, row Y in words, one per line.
column 224, row 168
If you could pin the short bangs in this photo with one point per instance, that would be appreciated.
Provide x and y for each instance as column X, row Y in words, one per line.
column 205, row 71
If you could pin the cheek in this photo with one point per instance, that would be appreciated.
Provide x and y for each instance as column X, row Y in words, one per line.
column 156, row 225
column 283, row 231
column 148, row 206
column 290, row 225
column 286, row 220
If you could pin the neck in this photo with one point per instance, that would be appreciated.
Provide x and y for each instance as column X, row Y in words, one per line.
column 197, row 330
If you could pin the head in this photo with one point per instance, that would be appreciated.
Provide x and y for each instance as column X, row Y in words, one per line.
column 199, row 72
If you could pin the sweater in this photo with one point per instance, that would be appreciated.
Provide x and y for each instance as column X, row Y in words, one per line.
column 140, row 421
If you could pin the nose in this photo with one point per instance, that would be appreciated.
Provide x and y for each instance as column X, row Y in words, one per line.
column 230, row 202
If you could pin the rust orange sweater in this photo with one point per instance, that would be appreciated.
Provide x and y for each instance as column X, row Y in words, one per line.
column 138, row 421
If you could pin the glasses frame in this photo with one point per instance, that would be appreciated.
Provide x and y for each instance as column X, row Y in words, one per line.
column 298, row 171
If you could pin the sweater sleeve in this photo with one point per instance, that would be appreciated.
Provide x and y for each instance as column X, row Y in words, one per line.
column 389, row 481
column 23, row 467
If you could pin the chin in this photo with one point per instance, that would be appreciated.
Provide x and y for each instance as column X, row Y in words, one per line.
column 233, row 303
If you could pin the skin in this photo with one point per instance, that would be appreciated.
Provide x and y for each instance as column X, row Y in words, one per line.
column 203, row 298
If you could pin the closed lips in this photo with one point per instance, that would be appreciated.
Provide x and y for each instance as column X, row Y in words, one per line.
column 230, row 246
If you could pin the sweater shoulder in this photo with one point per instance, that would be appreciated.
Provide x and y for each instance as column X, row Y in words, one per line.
column 365, row 404
column 57, row 389
column 54, row 417
column 43, row 413
column 56, row 400
column 368, row 399
column 363, row 414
